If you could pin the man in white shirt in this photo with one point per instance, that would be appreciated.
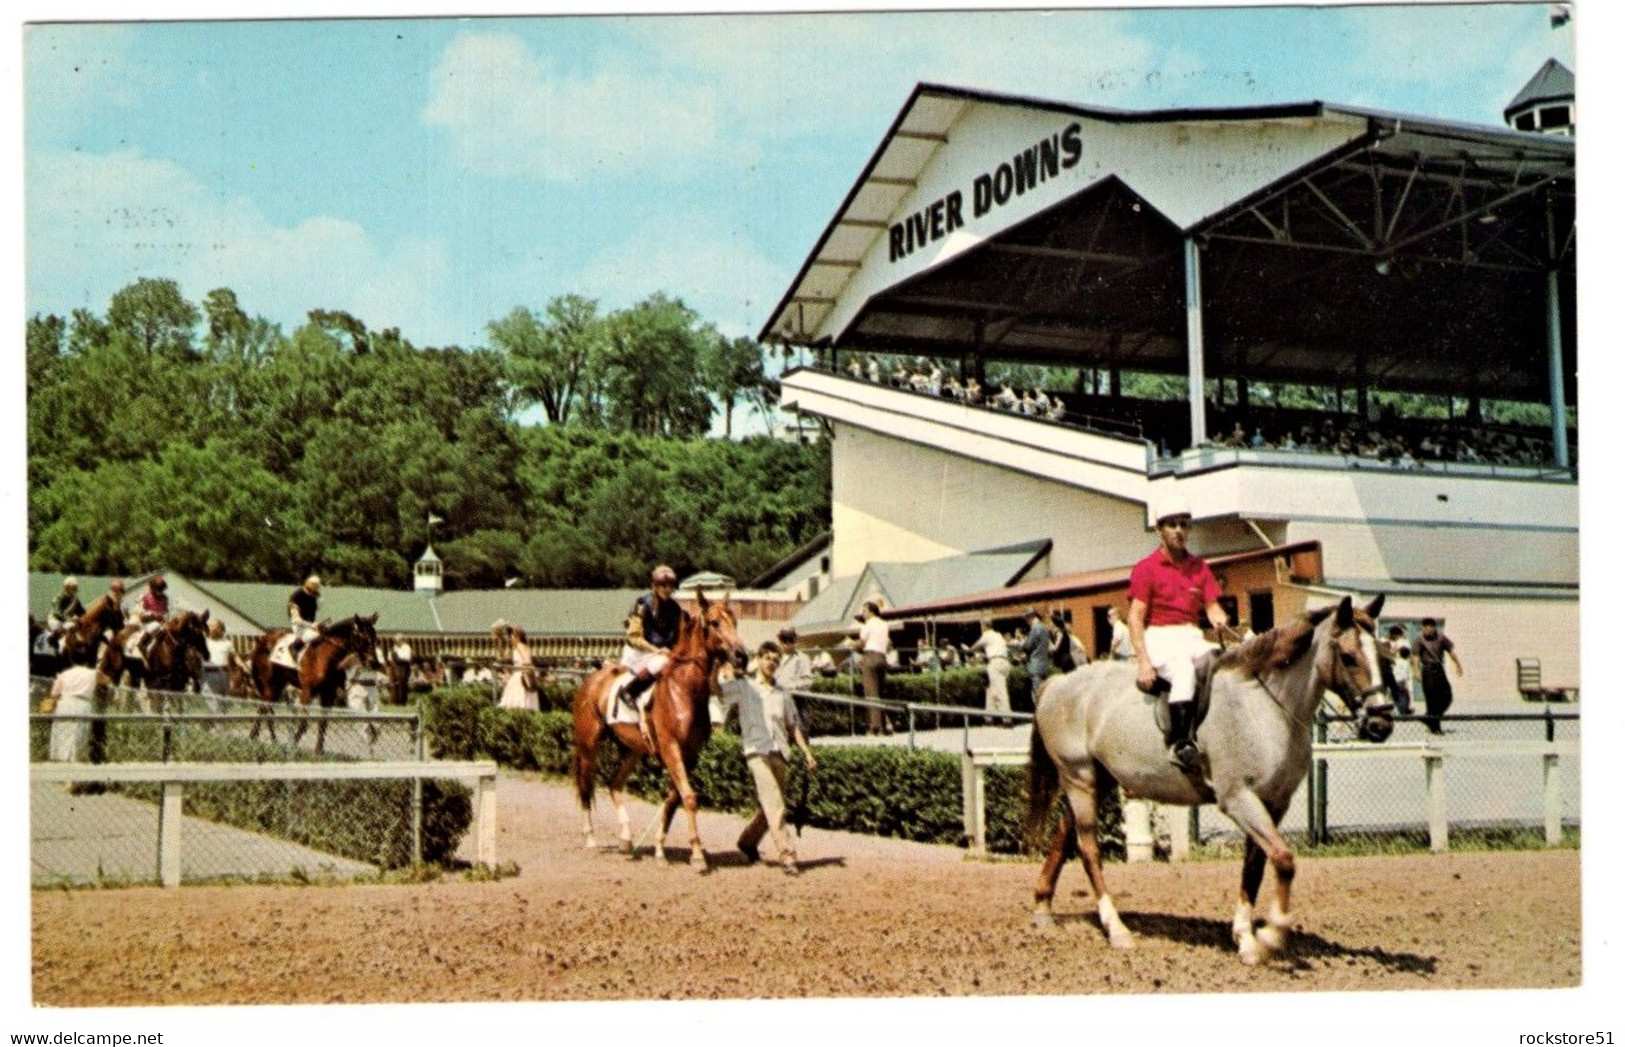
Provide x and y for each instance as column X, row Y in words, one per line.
column 1122, row 648
column 74, row 693
column 768, row 722
column 997, row 652
column 874, row 639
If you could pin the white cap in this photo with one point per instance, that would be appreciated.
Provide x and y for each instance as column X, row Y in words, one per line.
column 1171, row 505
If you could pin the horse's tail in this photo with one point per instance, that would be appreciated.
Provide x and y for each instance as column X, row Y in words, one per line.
column 1043, row 782
column 584, row 751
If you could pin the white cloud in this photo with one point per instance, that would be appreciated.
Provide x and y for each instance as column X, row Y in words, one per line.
column 508, row 113
column 97, row 222
column 74, row 71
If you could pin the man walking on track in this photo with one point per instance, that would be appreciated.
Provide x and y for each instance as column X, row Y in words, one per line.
column 768, row 722
column 1429, row 652
column 1169, row 593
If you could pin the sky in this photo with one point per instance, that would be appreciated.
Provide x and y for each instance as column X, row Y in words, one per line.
column 431, row 174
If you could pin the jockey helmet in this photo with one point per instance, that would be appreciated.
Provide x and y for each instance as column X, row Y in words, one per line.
column 313, row 582
column 663, row 574
column 70, row 582
column 158, row 582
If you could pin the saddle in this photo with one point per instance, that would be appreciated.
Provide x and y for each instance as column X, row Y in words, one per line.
column 1203, row 698
column 615, row 708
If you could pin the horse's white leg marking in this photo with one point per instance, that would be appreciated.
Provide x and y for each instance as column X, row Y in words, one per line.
column 1241, row 925
column 1116, row 932
column 586, row 828
column 1248, row 811
column 1276, row 925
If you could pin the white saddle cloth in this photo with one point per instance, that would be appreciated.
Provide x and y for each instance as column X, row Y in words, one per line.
column 282, row 654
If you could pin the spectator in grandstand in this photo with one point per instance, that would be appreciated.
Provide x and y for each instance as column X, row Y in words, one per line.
column 1034, row 650
column 768, row 723
column 795, row 669
column 933, row 381
column 1040, row 402
column 973, row 392
column 824, row 664
column 1005, row 399
column 954, row 390
column 1026, row 405
column 1057, row 411
column 1287, row 442
column 1396, row 659
column 1257, row 440
column 871, row 368
column 991, row 646
column 854, row 368
column 1428, row 655
column 899, row 376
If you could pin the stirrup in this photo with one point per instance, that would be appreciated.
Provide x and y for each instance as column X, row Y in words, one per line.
column 1184, row 755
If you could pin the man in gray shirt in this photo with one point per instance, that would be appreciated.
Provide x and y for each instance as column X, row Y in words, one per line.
column 1035, row 652
column 768, row 722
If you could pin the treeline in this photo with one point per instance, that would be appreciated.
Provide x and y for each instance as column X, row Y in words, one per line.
column 209, row 442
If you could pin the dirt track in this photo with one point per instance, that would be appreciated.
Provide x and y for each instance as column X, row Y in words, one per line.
column 868, row 918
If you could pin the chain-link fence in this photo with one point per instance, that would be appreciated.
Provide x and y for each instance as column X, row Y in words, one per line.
column 89, row 830
column 1489, row 779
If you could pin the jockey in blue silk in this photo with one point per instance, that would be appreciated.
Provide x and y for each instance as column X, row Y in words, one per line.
column 652, row 627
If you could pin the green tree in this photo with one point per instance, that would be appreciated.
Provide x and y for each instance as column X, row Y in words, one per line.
column 654, row 369
column 156, row 316
column 733, row 372
column 550, row 363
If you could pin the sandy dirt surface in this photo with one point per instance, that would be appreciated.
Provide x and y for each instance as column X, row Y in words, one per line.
column 868, row 917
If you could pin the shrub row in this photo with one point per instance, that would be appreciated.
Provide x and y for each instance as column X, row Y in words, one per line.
column 369, row 821
column 881, row 790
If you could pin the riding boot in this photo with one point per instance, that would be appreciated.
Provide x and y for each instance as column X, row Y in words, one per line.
column 632, row 693
column 1181, row 735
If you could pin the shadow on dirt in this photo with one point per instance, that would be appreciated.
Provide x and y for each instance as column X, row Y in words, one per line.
column 1305, row 949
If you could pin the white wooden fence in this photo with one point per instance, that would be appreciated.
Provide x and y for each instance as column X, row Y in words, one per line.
column 174, row 777
column 1137, row 813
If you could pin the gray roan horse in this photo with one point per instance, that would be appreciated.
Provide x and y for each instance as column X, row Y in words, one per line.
column 1093, row 726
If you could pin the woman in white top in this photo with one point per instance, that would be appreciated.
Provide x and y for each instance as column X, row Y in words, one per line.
column 520, row 691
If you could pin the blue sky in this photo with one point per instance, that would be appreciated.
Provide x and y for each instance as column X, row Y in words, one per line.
column 431, row 174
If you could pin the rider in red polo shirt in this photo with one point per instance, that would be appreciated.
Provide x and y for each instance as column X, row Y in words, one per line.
column 1170, row 592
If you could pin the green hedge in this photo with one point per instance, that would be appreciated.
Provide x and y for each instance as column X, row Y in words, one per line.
column 881, row 790
column 369, row 821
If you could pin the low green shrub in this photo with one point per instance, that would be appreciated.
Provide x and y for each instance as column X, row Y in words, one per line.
column 882, row 790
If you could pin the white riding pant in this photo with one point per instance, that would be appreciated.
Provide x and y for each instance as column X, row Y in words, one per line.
column 644, row 663
column 1173, row 650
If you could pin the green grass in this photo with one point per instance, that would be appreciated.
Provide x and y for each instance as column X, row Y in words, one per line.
column 1413, row 841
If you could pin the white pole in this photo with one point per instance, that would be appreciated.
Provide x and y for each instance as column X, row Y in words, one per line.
column 1438, row 824
column 1193, row 340
column 1141, row 845
column 169, row 836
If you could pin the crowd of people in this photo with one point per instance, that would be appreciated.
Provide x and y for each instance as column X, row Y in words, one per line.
column 1391, row 443
column 1383, row 436
column 926, row 377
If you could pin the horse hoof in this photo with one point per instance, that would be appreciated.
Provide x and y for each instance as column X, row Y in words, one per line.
column 592, row 844
column 1043, row 921
column 1271, row 937
column 697, row 862
column 1121, row 940
column 1253, row 954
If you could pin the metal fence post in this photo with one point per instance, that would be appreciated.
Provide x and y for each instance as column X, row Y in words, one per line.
column 1319, row 832
column 1438, row 823
column 1554, row 799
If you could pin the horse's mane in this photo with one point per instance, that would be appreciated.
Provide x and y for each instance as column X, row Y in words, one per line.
column 1274, row 648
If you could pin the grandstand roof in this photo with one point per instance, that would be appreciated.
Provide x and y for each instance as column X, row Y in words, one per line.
column 1340, row 244
column 252, row 607
column 902, row 584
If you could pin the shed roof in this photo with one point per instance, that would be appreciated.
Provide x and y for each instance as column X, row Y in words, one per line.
column 1553, row 82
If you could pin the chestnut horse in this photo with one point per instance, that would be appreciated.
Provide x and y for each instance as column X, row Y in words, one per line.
column 1093, row 727
column 81, row 640
column 321, row 672
column 679, row 721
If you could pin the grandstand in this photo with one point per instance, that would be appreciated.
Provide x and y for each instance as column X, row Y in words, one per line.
column 1385, row 260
